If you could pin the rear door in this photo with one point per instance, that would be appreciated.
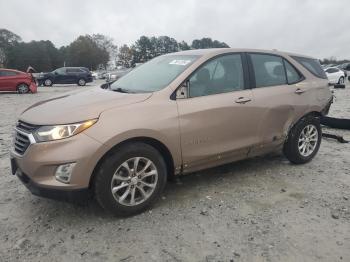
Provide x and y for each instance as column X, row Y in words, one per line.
column 217, row 119
column 73, row 75
column 275, row 94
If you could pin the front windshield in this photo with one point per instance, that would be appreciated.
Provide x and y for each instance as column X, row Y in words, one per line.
column 155, row 74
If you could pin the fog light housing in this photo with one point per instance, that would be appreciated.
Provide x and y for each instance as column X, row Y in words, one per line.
column 63, row 172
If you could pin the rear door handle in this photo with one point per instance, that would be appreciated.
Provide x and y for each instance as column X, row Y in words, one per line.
column 299, row 91
column 242, row 100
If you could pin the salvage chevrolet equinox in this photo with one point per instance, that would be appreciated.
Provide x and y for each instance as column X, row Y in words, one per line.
column 178, row 113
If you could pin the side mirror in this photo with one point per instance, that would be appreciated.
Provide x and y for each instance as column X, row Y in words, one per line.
column 56, row 73
column 183, row 91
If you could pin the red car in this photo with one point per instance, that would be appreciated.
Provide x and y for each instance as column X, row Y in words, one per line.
column 17, row 81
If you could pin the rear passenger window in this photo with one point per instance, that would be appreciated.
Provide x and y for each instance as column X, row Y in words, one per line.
column 268, row 70
column 293, row 76
column 312, row 65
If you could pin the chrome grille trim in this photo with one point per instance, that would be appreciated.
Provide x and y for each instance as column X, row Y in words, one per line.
column 22, row 140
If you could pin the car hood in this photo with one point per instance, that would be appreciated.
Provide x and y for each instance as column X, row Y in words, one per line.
column 78, row 106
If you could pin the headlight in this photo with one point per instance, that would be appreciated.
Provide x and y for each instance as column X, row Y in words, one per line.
column 48, row 133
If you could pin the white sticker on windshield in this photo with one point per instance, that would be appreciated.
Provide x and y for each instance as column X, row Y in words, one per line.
column 180, row 62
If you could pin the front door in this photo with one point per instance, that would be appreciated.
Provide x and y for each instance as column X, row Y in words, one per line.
column 217, row 119
column 60, row 76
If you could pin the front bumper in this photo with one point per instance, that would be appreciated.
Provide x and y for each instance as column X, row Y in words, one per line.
column 39, row 163
column 75, row 195
column 33, row 87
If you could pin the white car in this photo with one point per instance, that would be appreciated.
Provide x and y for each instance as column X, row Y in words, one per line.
column 335, row 75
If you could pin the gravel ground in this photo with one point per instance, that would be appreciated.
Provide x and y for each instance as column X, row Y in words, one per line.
column 261, row 209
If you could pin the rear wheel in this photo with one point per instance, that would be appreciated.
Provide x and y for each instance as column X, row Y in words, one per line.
column 303, row 140
column 130, row 179
column 22, row 88
column 81, row 82
column 341, row 80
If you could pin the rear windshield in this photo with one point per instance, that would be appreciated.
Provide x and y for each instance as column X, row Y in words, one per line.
column 155, row 74
column 312, row 65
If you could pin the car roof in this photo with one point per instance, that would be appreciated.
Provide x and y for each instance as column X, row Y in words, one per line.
column 12, row 70
column 217, row 51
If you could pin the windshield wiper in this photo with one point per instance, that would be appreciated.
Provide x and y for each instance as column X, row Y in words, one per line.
column 121, row 90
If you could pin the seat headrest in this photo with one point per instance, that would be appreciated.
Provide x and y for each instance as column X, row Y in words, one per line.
column 203, row 75
column 278, row 70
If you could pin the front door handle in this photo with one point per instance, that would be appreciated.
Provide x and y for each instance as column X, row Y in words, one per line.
column 299, row 91
column 242, row 100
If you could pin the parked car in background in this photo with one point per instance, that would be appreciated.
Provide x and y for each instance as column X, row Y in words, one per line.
column 335, row 75
column 66, row 75
column 346, row 68
column 17, row 81
column 115, row 75
column 176, row 114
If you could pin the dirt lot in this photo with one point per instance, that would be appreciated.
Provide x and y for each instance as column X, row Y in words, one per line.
column 262, row 209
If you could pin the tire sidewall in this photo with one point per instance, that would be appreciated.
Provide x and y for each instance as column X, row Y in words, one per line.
column 291, row 149
column 102, row 185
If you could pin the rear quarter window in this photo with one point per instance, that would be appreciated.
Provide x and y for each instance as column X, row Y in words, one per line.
column 312, row 65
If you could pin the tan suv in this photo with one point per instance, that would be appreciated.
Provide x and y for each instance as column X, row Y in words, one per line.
column 178, row 113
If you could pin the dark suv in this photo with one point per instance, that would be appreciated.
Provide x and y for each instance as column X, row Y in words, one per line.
column 66, row 75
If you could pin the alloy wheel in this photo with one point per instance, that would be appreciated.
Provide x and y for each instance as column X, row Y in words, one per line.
column 22, row 88
column 134, row 181
column 307, row 141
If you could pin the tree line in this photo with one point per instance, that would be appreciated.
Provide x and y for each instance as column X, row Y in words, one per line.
column 95, row 51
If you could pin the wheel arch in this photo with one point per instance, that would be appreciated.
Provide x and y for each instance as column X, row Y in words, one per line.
column 161, row 147
column 313, row 113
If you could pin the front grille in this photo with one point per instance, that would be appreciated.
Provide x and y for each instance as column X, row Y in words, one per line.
column 21, row 139
column 26, row 127
column 21, row 142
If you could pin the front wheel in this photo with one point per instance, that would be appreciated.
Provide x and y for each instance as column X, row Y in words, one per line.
column 22, row 88
column 303, row 140
column 48, row 82
column 130, row 179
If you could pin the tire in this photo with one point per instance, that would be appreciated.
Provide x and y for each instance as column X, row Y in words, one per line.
column 81, row 82
column 48, row 82
column 22, row 88
column 341, row 80
column 298, row 134
column 107, row 179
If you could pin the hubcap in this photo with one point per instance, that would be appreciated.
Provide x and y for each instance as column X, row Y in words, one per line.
column 341, row 80
column 48, row 82
column 134, row 181
column 81, row 82
column 308, row 140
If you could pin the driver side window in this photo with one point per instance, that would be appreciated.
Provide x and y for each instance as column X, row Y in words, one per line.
column 220, row 75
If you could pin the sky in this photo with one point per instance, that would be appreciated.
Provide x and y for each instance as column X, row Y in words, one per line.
column 318, row 28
